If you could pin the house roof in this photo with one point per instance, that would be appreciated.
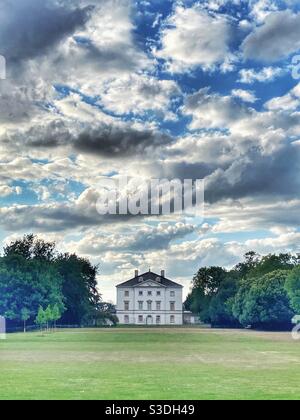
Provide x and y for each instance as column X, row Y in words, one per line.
column 149, row 276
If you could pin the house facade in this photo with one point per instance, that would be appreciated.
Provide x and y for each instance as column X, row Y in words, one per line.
column 150, row 299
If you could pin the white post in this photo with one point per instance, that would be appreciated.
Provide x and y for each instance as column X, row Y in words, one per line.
column 2, row 328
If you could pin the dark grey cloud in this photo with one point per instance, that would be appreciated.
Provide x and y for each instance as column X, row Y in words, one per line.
column 136, row 240
column 105, row 140
column 277, row 38
column 247, row 171
column 55, row 217
column 28, row 28
column 115, row 141
column 159, row 238
column 258, row 174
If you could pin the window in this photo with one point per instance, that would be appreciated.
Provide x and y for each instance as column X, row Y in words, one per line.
column 141, row 306
column 158, row 306
column 141, row 319
column 149, row 293
column 126, row 306
column 126, row 293
column 126, row 319
column 172, row 306
column 140, row 293
column 158, row 320
column 158, row 293
column 149, row 305
column 172, row 293
column 172, row 319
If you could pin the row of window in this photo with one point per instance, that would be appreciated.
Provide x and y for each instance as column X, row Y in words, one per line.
column 149, row 306
column 149, row 293
column 149, row 320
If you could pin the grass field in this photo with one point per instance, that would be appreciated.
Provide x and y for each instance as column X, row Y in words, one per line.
column 150, row 364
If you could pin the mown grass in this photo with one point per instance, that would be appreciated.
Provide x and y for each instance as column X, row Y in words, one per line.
column 150, row 364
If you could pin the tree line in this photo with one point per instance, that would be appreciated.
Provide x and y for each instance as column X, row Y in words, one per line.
column 260, row 292
column 40, row 285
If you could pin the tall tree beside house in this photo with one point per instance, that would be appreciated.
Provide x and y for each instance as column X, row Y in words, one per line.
column 30, row 247
column 270, row 263
column 34, row 275
column 206, row 285
column 220, row 309
column 292, row 287
column 79, row 288
column 27, row 283
column 261, row 291
column 251, row 261
column 263, row 301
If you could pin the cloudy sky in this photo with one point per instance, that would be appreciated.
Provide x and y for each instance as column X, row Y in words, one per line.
column 162, row 89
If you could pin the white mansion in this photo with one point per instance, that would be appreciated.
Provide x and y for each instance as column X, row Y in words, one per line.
column 150, row 299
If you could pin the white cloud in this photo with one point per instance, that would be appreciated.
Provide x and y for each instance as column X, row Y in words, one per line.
column 244, row 95
column 288, row 102
column 252, row 214
column 194, row 38
column 262, row 8
column 289, row 242
column 133, row 239
column 6, row 190
column 265, row 75
column 138, row 94
column 277, row 38
column 211, row 110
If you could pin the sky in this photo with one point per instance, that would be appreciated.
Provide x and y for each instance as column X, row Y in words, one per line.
column 151, row 89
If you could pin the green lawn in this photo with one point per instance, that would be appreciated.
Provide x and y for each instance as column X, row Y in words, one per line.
column 150, row 364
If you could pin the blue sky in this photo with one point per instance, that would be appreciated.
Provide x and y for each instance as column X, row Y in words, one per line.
column 151, row 89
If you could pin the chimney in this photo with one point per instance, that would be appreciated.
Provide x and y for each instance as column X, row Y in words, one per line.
column 136, row 273
column 163, row 273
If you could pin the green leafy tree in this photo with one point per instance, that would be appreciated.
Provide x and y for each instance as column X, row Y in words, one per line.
column 106, row 314
column 30, row 247
column 270, row 263
column 206, row 285
column 32, row 274
column 220, row 309
column 25, row 316
column 292, row 287
column 79, row 289
column 27, row 284
column 49, row 316
column 56, row 314
column 251, row 261
column 263, row 302
column 41, row 318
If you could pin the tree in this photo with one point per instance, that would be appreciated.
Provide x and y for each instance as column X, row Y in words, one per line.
column 263, row 302
column 25, row 316
column 206, row 285
column 220, row 309
column 292, row 287
column 48, row 316
column 40, row 277
column 56, row 314
column 79, row 288
column 106, row 314
column 27, row 283
column 30, row 247
column 270, row 263
column 41, row 318
column 251, row 261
